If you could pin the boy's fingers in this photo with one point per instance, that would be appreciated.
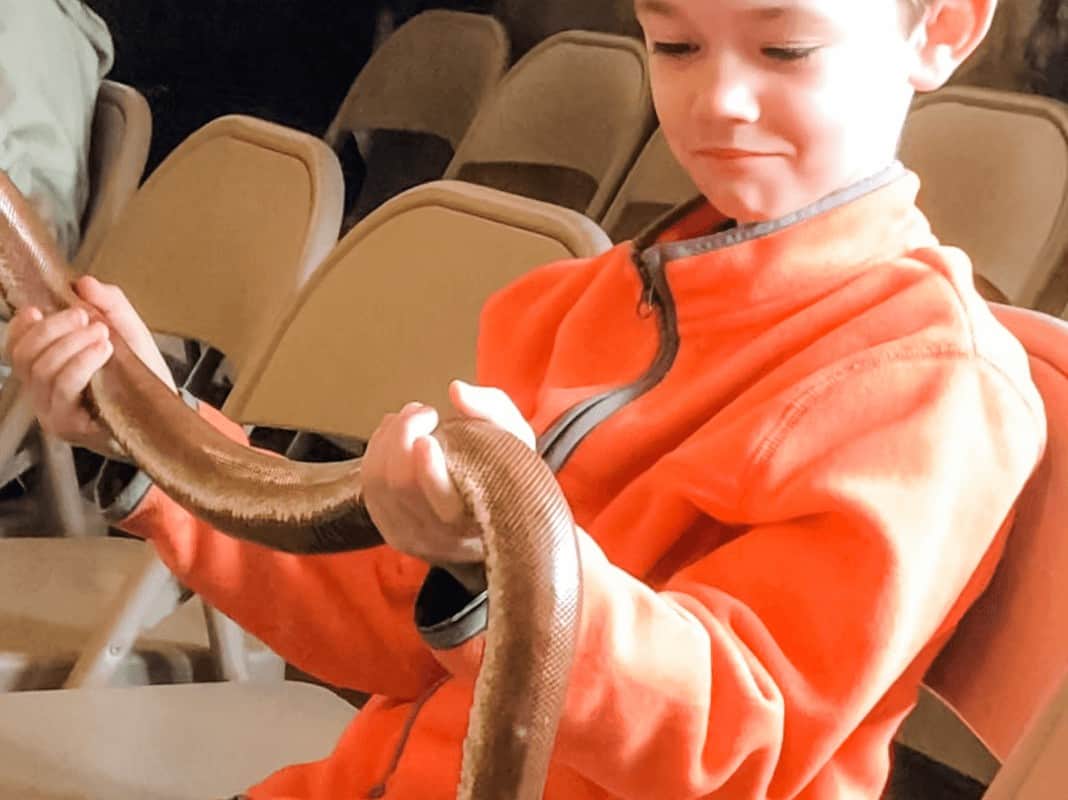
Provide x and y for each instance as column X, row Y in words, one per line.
column 112, row 302
column 74, row 376
column 48, row 364
column 20, row 323
column 492, row 405
column 40, row 336
column 432, row 475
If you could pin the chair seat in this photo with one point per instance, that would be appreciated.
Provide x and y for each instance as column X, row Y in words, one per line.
column 55, row 592
column 188, row 742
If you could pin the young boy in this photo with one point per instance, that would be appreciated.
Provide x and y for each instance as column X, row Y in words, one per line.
column 791, row 433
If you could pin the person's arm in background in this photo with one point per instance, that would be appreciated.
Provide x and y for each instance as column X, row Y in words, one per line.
column 53, row 56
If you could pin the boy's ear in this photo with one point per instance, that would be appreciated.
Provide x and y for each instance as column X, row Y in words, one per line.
column 946, row 34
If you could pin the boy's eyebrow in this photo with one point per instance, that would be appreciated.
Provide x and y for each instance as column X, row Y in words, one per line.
column 661, row 7
column 764, row 11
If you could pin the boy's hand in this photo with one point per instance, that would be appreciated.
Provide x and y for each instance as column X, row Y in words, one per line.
column 55, row 357
column 407, row 488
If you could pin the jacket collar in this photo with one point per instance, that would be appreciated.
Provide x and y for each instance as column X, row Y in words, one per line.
column 796, row 256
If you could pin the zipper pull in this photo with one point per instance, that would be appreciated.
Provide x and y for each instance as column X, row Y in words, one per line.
column 648, row 264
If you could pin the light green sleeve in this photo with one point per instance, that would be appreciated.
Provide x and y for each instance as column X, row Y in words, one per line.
column 53, row 55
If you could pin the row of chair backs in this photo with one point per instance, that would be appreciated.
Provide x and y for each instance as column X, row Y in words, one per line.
column 563, row 125
column 409, row 111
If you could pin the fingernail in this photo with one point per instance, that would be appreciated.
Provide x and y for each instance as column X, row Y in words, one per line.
column 83, row 316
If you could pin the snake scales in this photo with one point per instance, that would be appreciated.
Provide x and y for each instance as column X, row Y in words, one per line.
column 531, row 564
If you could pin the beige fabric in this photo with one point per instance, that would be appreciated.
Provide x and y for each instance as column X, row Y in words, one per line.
column 55, row 592
column 656, row 181
column 1037, row 768
column 392, row 315
column 224, row 233
column 402, row 89
column 994, row 167
column 579, row 101
column 122, row 131
column 161, row 742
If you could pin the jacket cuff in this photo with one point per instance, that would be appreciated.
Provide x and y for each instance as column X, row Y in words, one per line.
column 120, row 487
column 446, row 614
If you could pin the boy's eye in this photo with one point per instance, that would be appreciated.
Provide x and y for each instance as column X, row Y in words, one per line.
column 674, row 49
column 788, row 53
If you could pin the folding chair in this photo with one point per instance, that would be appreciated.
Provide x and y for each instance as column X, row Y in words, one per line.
column 122, row 131
column 655, row 185
column 424, row 262
column 564, row 125
column 409, row 112
column 1001, row 669
column 213, row 247
column 994, row 167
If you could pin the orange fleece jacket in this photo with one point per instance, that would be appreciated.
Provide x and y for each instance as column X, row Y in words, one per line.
column 777, row 536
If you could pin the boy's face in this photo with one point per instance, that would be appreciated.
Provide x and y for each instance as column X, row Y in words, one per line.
column 772, row 104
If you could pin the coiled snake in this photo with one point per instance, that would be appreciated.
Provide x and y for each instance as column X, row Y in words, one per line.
column 531, row 565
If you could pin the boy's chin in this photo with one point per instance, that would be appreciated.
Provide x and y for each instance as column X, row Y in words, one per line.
column 743, row 204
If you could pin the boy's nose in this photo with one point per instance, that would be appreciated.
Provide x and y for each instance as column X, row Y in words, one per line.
column 726, row 93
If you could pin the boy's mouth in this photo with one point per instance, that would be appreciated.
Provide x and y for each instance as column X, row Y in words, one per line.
column 729, row 153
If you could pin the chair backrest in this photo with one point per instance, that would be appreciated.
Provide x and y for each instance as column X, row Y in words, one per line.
column 1036, row 768
column 392, row 314
column 224, row 233
column 564, row 125
column 118, row 150
column 1011, row 649
column 415, row 98
column 655, row 185
column 994, row 167
column 529, row 22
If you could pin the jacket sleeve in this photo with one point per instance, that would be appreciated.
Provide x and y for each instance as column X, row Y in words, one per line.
column 874, row 506
column 345, row 618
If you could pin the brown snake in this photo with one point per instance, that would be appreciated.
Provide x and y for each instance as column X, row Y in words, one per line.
column 531, row 564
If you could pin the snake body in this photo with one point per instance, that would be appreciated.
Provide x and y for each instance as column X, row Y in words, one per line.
column 532, row 565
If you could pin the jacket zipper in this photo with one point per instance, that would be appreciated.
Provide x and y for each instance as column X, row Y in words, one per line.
column 559, row 441
column 379, row 789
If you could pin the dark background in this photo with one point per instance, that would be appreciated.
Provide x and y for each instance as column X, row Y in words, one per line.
column 288, row 61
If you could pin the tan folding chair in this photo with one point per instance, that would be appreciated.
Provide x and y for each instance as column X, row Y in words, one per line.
column 407, row 111
column 564, row 125
column 122, row 132
column 655, row 185
column 425, row 262
column 529, row 22
column 213, row 247
column 994, row 167
column 1001, row 670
